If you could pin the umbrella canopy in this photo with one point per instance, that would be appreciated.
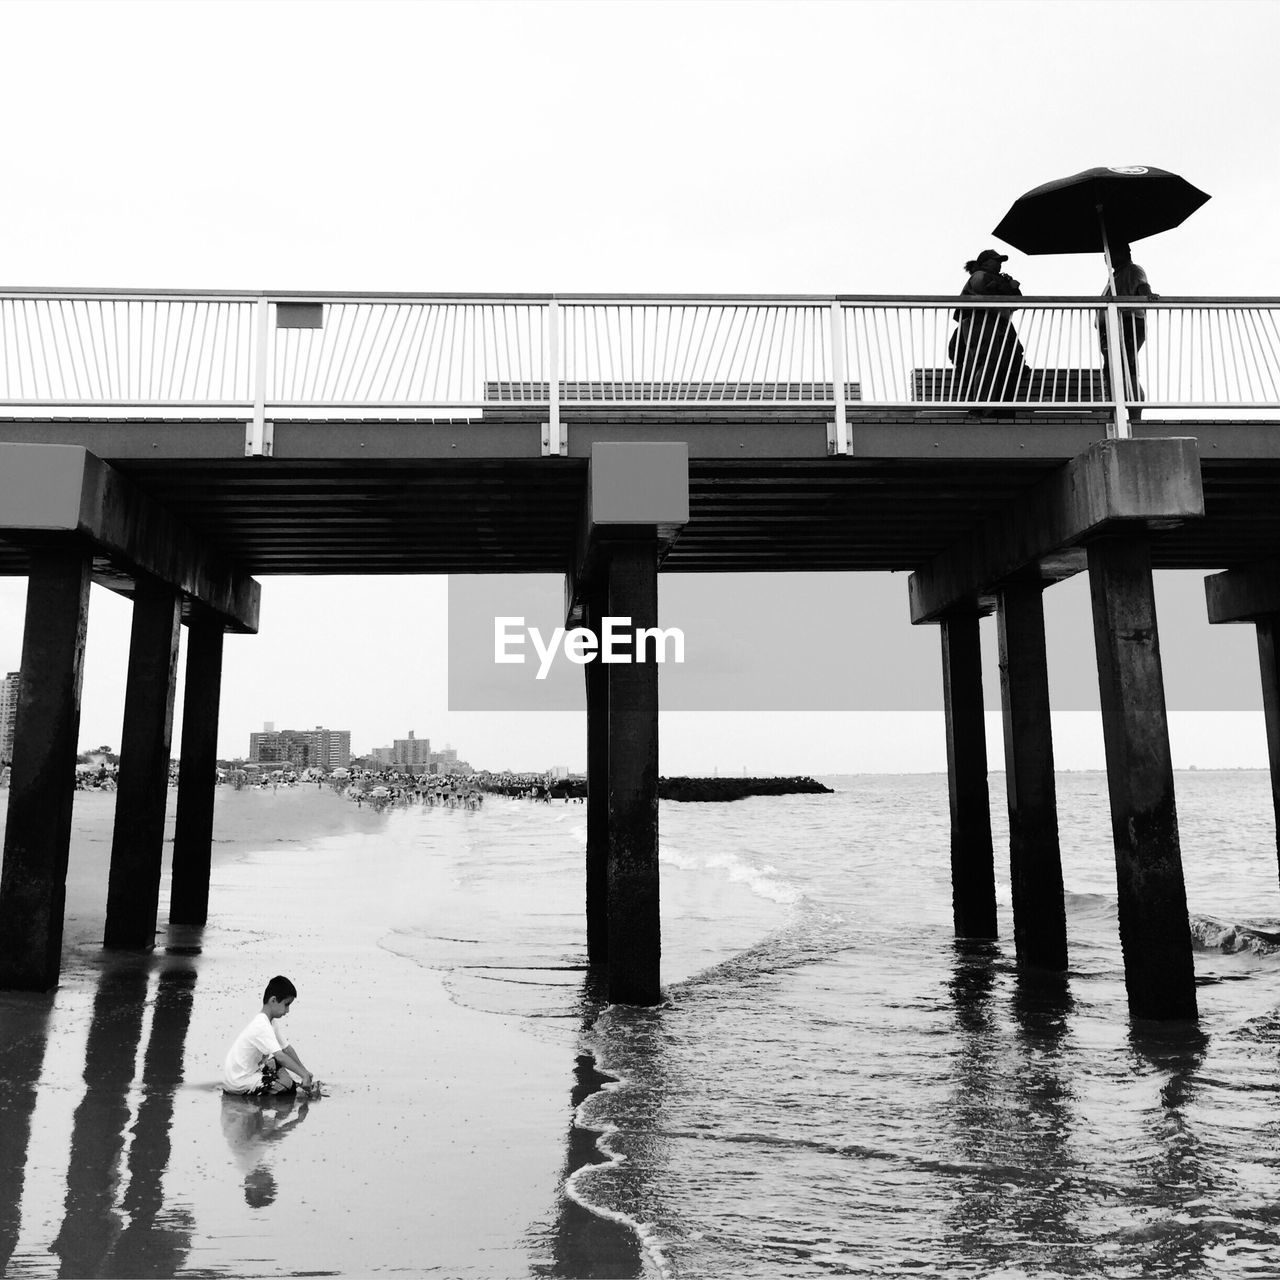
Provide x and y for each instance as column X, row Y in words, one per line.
column 1064, row 216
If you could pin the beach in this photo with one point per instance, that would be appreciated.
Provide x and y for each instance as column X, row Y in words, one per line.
column 834, row 1085
column 442, row 1141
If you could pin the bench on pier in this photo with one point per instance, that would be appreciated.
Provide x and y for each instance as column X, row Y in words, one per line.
column 607, row 391
column 1036, row 386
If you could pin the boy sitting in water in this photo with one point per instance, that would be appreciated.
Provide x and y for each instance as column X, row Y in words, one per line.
column 259, row 1062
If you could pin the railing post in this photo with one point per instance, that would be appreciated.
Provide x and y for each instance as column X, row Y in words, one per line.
column 838, row 440
column 1116, row 359
column 256, row 440
column 554, row 444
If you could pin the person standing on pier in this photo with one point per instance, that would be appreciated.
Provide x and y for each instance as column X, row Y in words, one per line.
column 985, row 348
column 1131, row 282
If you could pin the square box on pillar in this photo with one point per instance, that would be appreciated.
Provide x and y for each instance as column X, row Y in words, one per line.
column 639, row 483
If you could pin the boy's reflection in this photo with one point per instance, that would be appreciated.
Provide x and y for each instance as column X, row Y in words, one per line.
column 250, row 1125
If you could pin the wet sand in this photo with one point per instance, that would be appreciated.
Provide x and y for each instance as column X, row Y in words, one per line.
column 444, row 1139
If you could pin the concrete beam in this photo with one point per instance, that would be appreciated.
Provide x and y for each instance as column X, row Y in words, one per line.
column 1269, row 669
column 631, row 488
column 198, row 774
column 1136, row 483
column 48, row 492
column 1243, row 595
column 33, row 877
column 1035, row 858
column 973, row 875
column 597, row 868
column 632, row 889
column 1155, row 936
column 146, row 735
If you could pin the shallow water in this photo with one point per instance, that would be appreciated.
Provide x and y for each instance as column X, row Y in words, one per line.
column 833, row 1087
column 854, row 1093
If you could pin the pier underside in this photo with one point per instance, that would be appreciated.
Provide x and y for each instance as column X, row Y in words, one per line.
column 982, row 512
column 472, row 497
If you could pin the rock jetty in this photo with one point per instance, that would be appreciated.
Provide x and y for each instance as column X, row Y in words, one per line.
column 736, row 788
column 684, row 789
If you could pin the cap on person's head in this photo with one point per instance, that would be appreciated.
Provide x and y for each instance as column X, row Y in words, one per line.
column 991, row 253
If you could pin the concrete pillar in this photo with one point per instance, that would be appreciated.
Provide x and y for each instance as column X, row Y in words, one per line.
column 1269, row 668
column 1154, row 931
column 1035, row 860
column 197, row 773
column 137, row 842
column 973, row 880
column 597, row 868
column 33, row 883
column 634, row 943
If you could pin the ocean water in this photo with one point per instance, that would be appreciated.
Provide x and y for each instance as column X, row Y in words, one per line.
column 835, row 1086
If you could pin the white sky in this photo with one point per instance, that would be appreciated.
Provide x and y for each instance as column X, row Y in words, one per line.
column 628, row 147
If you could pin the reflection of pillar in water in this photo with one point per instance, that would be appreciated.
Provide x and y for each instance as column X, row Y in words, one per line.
column 145, row 1247
column 22, row 1048
column 1011, row 1118
column 583, row 1243
column 1179, row 1176
column 91, row 1222
column 94, row 1239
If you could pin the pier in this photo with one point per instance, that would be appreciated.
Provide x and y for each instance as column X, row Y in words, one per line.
column 172, row 446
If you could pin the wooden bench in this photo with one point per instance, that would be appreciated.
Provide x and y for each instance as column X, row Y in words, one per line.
column 603, row 392
column 1039, row 386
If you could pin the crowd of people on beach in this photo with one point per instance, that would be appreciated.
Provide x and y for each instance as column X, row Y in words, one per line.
column 389, row 787
column 446, row 793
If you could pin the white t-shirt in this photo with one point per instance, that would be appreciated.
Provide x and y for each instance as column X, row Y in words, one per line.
column 242, row 1070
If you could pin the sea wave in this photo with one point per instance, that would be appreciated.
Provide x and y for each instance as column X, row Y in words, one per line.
column 1258, row 937
column 765, row 881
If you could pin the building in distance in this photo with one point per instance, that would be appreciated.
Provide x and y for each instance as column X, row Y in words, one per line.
column 317, row 748
column 8, row 715
column 411, row 750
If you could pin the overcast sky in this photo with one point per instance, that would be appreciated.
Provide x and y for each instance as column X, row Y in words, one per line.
column 621, row 147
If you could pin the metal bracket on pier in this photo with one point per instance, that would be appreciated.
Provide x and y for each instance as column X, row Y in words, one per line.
column 259, row 438
column 838, row 442
column 259, row 434
column 555, row 442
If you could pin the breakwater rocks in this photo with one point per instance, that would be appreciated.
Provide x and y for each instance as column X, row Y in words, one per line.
column 736, row 788
column 684, row 789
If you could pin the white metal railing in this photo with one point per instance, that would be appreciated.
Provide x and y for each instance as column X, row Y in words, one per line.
column 265, row 356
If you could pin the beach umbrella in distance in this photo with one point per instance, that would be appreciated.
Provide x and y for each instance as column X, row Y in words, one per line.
column 1086, row 212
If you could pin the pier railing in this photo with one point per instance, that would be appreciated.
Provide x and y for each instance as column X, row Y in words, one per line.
column 268, row 356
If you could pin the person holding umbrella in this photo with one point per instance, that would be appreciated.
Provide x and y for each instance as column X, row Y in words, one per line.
column 985, row 348
column 1130, row 282
column 1086, row 213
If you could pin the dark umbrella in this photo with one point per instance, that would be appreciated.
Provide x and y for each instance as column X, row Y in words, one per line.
column 1079, row 213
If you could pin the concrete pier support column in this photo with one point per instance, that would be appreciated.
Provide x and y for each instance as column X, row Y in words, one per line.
column 597, row 677
column 1269, row 667
column 1252, row 594
column 197, row 773
column 973, row 881
column 1154, row 931
column 634, row 933
column 133, row 889
column 42, row 780
column 1035, row 859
